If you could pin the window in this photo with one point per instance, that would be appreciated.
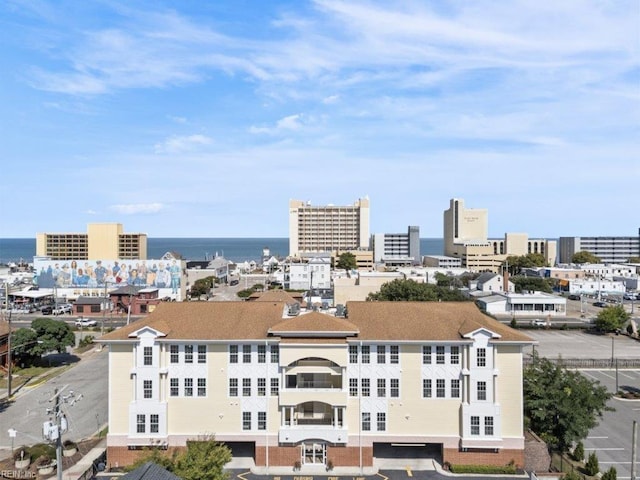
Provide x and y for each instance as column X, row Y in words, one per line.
column 246, row 387
column 147, row 388
column 481, row 357
column 382, row 387
column 147, row 353
column 202, row 354
column 353, row 354
column 382, row 354
column 455, row 355
column 246, row 354
column 366, row 353
column 366, row 421
column 455, row 388
column 275, row 354
column 395, row 354
column 426, row 388
column 246, row 420
column 382, row 421
column 275, row 386
column 353, row 387
column 440, row 354
column 395, row 387
column 233, row 387
column 174, row 387
column 366, row 384
column 154, row 423
column 426, row 355
column 262, row 387
column 262, row 353
column 482, row 390
column 475, row 425
column 233, row 353
column 188, row 354
column 175, row 356
column 141, row 423
column 202, row 387
column 262, row 420
column 440, row 388
column 188, row 387
column 488, row 426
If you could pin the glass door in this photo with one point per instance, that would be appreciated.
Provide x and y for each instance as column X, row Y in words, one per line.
column 314, row 453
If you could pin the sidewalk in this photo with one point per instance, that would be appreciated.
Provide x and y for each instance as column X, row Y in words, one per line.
column 78, row 470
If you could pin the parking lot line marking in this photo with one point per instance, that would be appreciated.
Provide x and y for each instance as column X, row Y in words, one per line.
column 591, row 438
column 609, row 448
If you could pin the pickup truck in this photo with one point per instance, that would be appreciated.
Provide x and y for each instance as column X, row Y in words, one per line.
column 86, row 322
column 62, row 309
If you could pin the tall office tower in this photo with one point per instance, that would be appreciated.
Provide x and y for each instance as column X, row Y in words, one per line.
column 328, row 228
column 607, row 249
column 464, row 225
column 102, row 240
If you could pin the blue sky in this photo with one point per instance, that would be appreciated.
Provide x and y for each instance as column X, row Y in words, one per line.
column 203, row 118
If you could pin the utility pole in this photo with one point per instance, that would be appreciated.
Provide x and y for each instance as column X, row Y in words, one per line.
column 9, row 360
column 633, row 450
column 59, row 438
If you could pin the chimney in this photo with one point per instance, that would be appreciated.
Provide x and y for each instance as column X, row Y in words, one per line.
column 505, row 280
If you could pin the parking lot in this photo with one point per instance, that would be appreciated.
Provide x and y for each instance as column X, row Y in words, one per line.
column 580, row 344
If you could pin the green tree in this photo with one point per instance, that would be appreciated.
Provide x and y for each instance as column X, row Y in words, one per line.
column 573, row 475
column 592, row 467
column 536, row 284
column 584, row 257
column 400, row 290
column 24, row 346
column 517, row 262
column 202, row 286
column 561, row 405
column 611, row 319
column 54, row 335
column 203, row 459
column 578, row 452
column 347, row 261
column 611, row 474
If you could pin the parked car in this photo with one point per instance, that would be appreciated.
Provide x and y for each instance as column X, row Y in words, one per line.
column 573, row 296
column 538, row 323
column 62, row 309
column 47, row 310
column 600, row 304
column 86, row 322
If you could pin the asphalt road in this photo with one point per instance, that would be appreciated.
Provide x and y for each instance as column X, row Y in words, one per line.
column 28, row 411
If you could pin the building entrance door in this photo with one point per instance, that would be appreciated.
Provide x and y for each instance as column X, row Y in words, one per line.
column 314, row 453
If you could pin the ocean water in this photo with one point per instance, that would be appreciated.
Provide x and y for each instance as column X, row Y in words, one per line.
column 234, row 249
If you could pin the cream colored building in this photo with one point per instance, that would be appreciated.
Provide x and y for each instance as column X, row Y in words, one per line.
column 102, row 240
column 466, row 237
column 426, row 378
column 328, row 228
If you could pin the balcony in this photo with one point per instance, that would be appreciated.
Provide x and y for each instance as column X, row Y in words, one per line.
column 308, row 424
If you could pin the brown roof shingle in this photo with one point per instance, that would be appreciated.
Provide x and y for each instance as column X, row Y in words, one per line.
column 393, row 321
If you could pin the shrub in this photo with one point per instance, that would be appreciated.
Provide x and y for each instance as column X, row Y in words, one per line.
column 69, row 444
column 592, row 467
column 571, row 476
column 487, row 469
column 88, row 340
column 611, row 474
column 578, row 452
column 42, row 450
column 514, row 323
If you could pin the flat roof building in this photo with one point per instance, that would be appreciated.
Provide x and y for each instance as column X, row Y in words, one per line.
column 396, row 249
column 102, row 240
column 607, row 249
column 328, row 228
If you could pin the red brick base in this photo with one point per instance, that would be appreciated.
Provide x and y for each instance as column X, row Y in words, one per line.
column 122, row 456
column 483, row 457
column 340, row 456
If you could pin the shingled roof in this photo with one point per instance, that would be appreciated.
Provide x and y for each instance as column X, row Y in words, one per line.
column 368, row 321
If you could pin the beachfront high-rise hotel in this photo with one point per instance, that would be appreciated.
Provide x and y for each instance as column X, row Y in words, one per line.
column 101, row 241
column 328, row 228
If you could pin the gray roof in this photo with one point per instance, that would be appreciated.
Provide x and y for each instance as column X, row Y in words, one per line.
column 150, row 471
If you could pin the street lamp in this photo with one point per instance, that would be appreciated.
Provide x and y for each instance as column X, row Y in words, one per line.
column 9, row 367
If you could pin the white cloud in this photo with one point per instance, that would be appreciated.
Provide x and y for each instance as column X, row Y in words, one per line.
column 289, row 123
column 135, row 208
column 330, row 99
column 178, row 144
column 176, row 119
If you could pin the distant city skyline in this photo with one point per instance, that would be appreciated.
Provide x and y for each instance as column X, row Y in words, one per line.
column 203, row 119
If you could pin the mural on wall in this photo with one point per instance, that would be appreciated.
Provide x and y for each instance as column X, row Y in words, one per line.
column 165, row 275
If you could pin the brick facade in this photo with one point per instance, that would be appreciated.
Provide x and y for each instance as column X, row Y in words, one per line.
column 484, row 457
column 122, row 456
column 340, row 456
